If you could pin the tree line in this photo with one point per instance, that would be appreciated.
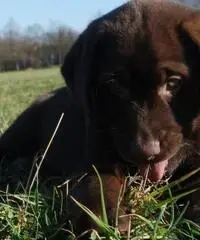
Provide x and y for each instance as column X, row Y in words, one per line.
column 34, row 47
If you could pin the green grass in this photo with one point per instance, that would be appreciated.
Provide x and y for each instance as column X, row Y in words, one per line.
column 34, row 213
column 19, row 89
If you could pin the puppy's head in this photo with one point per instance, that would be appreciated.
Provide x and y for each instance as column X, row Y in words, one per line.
column 137, row 68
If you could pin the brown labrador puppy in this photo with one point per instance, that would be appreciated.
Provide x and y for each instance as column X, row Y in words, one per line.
column 134, row 72
column 134, row 75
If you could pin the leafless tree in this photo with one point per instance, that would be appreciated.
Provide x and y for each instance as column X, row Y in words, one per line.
column 34, row 47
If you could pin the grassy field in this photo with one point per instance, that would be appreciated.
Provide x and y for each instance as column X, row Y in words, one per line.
column 19, row 89
column 29, row 214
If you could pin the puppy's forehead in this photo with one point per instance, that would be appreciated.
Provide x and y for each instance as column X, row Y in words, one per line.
column 148, row 27
column 163, row 24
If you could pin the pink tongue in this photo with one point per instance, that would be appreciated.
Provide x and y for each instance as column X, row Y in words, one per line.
column 156, row 170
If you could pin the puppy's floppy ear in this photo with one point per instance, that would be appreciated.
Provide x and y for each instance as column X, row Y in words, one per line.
column 192, row 27
column 76, row 68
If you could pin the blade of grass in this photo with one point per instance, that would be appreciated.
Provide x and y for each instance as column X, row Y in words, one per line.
column 173, row 199
column 163, row 208
column 178, row 219
column 46, row 150
column 148, row 222
column 97, row 220
column 103, row 206
column 162, row 189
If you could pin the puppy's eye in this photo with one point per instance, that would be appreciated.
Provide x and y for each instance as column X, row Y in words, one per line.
column 173, row 83
column 117, row 89
column 171, row 86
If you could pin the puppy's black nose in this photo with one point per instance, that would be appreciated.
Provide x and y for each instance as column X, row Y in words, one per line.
column 151, row 148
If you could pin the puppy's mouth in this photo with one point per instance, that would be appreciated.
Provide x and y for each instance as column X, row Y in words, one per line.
column 154, row 168
column 155, row 171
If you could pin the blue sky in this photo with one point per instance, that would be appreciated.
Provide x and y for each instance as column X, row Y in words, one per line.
column 75, row 13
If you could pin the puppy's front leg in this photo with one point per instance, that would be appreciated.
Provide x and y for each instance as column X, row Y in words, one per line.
column 88, row 193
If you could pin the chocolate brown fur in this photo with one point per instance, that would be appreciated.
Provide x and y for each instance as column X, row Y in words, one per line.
column 31, row 132
column 125, row 106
